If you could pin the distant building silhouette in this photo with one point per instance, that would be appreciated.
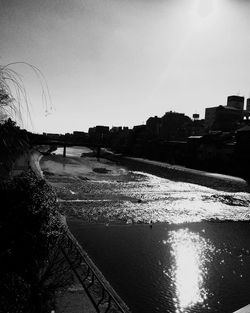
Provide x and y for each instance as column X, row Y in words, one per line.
column 248, row 105
column 223, row 118
column 236, row 102
column 196, row 116
column 198, row 127
column 79, row 133
column 98, row 130
column 54, row 136
column 154, row 125
column 99, row 133
column 139, row 128
column 116, row 129
column 229, row 117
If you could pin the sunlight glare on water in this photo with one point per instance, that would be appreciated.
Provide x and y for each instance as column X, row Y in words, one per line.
column 131, row 197
column 182, row 262
column 190, row 253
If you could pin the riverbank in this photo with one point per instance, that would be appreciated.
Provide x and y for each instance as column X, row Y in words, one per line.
column 181, row 173
column 107, row 192
column 76, row 298
column 136, row 225
column 29, row 160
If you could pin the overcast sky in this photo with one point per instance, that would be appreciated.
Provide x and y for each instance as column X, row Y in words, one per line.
column 118, row 62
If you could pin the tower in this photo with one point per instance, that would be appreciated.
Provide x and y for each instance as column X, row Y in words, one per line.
column 236, row 102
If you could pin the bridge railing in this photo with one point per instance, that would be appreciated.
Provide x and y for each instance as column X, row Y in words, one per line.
column 102, row 296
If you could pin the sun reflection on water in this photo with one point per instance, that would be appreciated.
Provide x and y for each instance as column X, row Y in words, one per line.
column 190, row 253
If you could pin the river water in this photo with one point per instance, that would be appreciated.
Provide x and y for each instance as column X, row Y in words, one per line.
column 164, row 246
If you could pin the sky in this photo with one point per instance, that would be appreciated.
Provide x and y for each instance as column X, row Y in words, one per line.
column 118, row 62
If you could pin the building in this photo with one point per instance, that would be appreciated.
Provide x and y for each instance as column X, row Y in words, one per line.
column 242, row 151
column 196, row 116
column 116, row 129
column 52, row 135
column 236, row 102
column 229, row 117
column 79, row 133
column 99, row 130
column 224, row 118
column 139, row 128
column 102, row 129
column 198, row 127
column 153, row 125
column 243, row 136
column 248, row 105
column 99, row 133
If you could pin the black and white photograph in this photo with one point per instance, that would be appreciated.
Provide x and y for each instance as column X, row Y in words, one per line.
column 125, row 156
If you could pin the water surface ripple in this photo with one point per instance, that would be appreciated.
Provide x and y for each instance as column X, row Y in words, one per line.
column 194, row 257
column 145, row 198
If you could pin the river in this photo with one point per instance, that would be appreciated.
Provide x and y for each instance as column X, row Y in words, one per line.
column 164, row 246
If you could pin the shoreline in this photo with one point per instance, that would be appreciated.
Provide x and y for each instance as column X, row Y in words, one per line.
column 177, row 173
column 124, row 196
column 96, row 236
column 82, row 297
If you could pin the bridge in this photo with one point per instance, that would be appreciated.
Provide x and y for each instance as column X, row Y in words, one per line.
column 63, row 141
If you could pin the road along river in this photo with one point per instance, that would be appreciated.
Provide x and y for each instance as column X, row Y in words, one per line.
column 165, row 246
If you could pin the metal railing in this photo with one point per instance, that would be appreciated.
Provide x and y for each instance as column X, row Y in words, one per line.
column 102, row 296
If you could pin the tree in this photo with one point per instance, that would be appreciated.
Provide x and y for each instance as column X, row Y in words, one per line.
column 14, row 100
column 14, row 104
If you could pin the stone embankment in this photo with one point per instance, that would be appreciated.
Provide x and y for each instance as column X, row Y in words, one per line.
column 35, row 158
column 183, row 174
column 29, row 159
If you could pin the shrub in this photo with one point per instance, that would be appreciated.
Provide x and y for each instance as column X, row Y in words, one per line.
column 31, row 268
